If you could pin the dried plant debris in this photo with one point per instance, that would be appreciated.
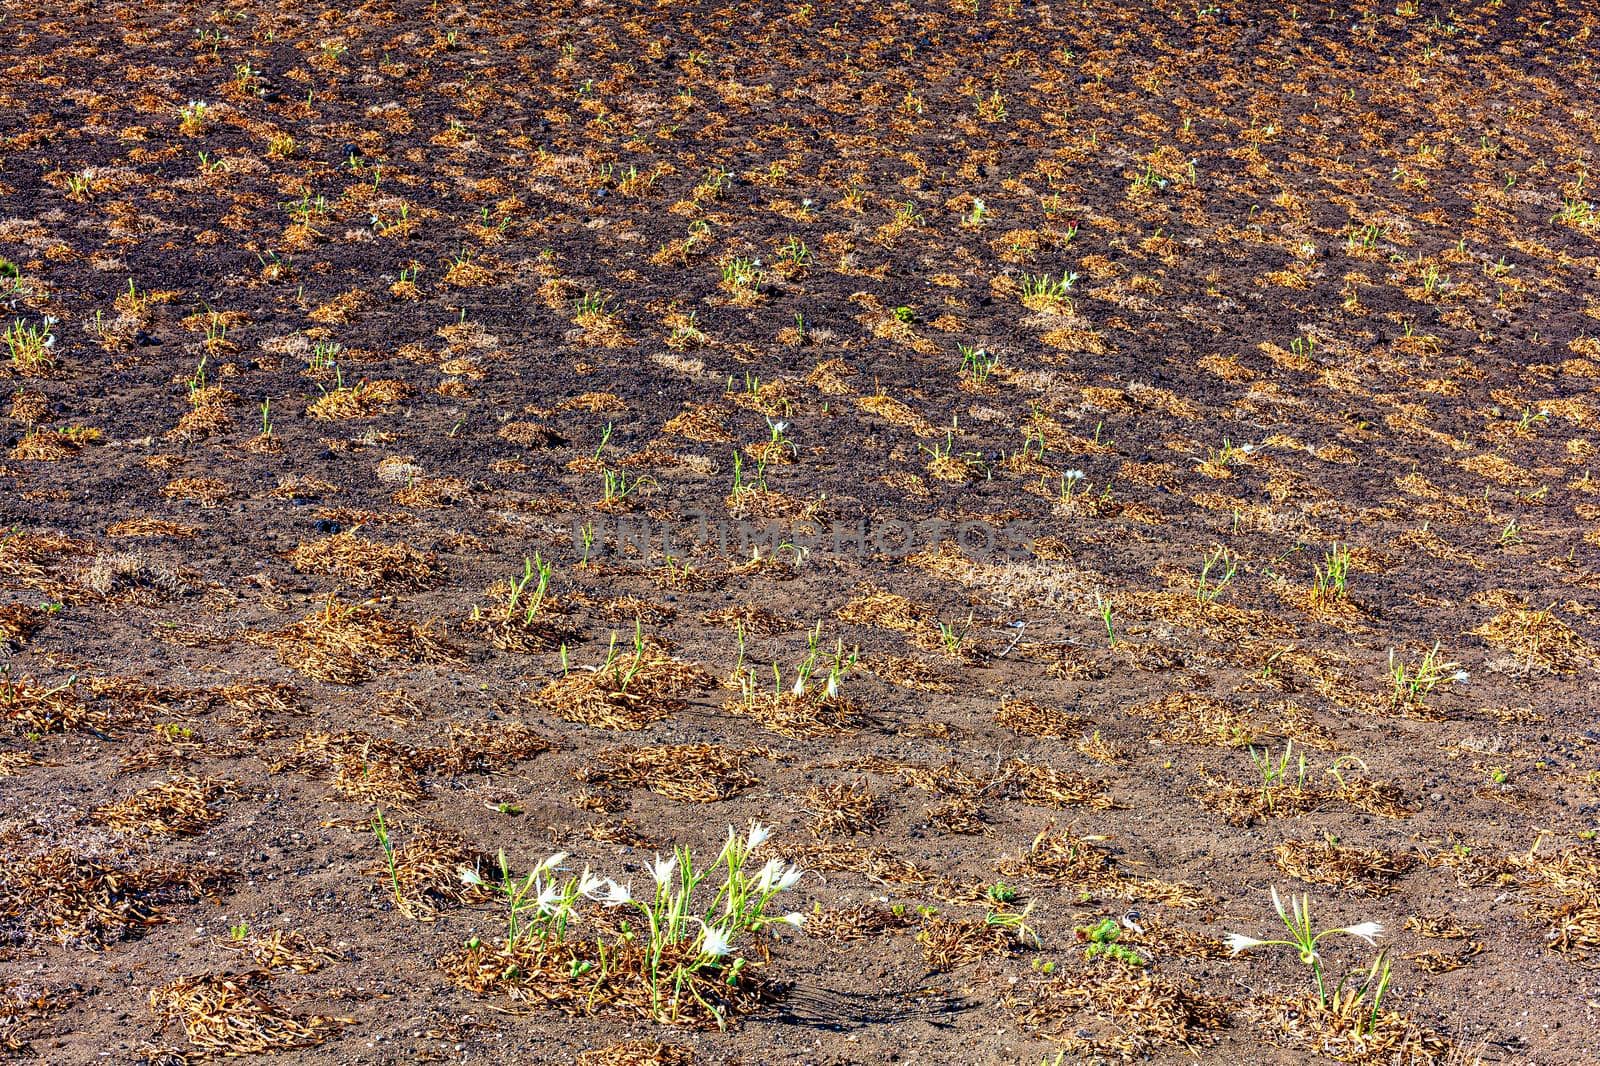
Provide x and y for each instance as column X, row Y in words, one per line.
column 1119, row 1014
column 281, row 949
column 693, row 773
column 232, row 1014
column 1028, row 718
column 950, row 942
column 484, row 748
column 76, row 895
column 24, row 1006
column 356, row 562
column 863, row 921
column 363, row 767
column 637, row 1053
column 181, row 805
column 1369, row 871
column 1045, row 786
column 425, row 871
column 1538, row 640
column 1564, row 896
column 554, row 978
column 1348, row 1029
column 346, row 643
column 629, row 691
column 842, row 809
column 40, row 708
column 18, row 624
column 130, row 576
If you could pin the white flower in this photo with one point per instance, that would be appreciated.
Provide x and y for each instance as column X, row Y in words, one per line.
column 715, row 942
column 1238, row 942
column 1366, row 931
column 548, row 898
column 774, row 877
column 615, row 895
column 800, row 685
column 551, row 863
column 661, row 870
column 1277, row 902
column 1460, row 675
column 832, row 689
column 469, row 876
column 589, row 884
column 768, row 874
column 759, row 834
column 1073, row 475
column 794, row 918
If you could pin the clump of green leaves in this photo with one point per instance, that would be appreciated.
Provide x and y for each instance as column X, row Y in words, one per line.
column 1101, row 941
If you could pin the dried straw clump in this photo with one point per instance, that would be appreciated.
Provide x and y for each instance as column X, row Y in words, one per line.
column 227, row 1014
column 692, row 773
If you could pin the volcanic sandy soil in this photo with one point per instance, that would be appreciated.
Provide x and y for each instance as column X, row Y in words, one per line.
column 627, row 533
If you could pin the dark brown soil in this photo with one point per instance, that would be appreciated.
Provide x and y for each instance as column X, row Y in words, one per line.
column 1047, row 355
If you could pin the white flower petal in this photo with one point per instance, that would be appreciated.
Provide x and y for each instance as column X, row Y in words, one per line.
column 1238, row 942
column 1366, row 931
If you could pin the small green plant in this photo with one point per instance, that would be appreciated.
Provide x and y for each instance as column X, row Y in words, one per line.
column 741, row 272
column 977, row 363
column 1331, row 578
column 1103, row 606
column 380, row 830
column 1280, row 772
column 1000, row 892
column 1412, row 684
column 197, row 380
column 324, row 354
column 1046, row 289
column 743, row 486
column 520, row 598
column 1531, row 418
column 192, row 116
column 623, row 677
column 307, row 209
column 1070, row 479
column 591, row 305
column 240, row 932
column 1100, row 941
column 953, row 635
column 32, row 348
column 1014, row 923
column 794, row 254
column 1216, row 573
column 777, row 439
column 616, row 486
